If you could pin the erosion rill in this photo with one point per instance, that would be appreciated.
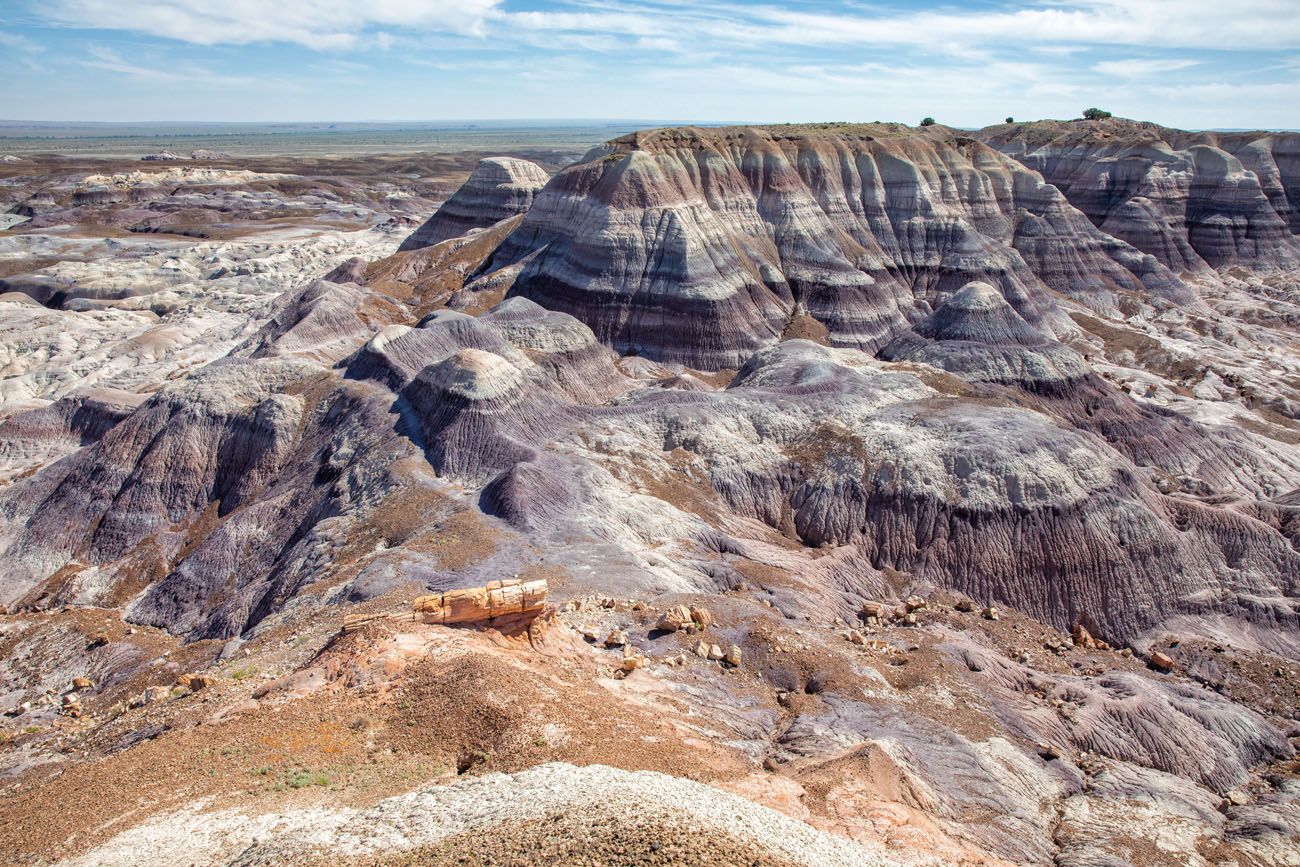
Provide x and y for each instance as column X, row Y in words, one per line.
column 869, row 495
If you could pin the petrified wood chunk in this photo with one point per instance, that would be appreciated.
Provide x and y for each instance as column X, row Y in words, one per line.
column 497, row 599
column 509, row 598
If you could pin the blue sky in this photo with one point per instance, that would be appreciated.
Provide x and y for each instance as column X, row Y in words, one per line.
column 1190, row 63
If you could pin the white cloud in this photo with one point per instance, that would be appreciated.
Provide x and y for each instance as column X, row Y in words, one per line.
column 1141, row 68
column 108, row 60
column 318, row 24
column 20, row 43
column 667, row 24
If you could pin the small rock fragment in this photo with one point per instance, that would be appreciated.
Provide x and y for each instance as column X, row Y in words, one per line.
column 733, row 656
column 1162, row 661
column 915, row 603
column 879, row 610
column 674, row 618
column 701, row 650
column 80, row 683
column 631, row 659
column 715, row 652
column 702, row 617
column 617, row 638
column 991, row 613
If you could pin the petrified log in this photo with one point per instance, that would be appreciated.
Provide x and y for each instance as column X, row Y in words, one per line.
column 497, row 599
column 511, row 598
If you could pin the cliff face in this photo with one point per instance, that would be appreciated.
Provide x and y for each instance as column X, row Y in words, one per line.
column 1192, row 200
column 701, row 246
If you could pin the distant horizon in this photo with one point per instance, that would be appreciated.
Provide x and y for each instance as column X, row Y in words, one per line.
column 543, row 122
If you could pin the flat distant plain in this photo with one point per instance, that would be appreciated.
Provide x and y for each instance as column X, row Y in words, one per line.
column 316, row 139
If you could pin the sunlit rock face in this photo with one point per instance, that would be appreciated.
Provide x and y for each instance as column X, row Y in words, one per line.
column 499, row 187
column 701, row 246
column 1192, row 200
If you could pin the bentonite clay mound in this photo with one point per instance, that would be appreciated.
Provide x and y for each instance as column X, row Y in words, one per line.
column 499, row 187
column 1192, row 200
column 551, row 814
column 946, row 512
column 697, row 246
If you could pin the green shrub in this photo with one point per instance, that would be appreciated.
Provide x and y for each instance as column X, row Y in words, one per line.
column 1010, row 119
column 1096, row 114
column 927, row 121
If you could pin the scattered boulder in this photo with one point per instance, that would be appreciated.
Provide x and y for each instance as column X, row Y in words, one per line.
column 702, row 617
column 965, row 606
column 674, row 618
column 914, row 603
column 617, row 638
column 878, row 610
column 150, row 695
column 1048, row 752
column 715, row 653
column 701, row 650
column 733, row 656
column 991, row 613
column 1082, row 637
column 1162, row 661
column 631, row 659
column 195, row 682
column 80, row 683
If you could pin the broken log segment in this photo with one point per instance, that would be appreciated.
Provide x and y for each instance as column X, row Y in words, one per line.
column 497, row 599
column 353, row 622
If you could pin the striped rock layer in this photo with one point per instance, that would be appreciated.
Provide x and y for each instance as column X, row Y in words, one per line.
column 701, row 246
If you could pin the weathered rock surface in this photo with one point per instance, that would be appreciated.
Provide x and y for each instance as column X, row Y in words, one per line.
column 980, row 337
column 701, row 246
column 499, row 188
column 1192, row 200
column 1026, row 442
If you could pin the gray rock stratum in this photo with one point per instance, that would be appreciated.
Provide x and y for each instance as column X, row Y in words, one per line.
column 499, row 187
column 700, row 246
column 779, row 372
column 1193, row 200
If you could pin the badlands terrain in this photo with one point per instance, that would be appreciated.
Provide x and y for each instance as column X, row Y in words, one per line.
column 902, row 496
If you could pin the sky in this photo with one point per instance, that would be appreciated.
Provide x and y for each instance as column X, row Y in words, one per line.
column 1187, row 63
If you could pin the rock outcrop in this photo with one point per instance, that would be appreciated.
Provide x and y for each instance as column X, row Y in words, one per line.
column 977, row 335
column 1193, row 200
column 700, row 246
column 499, row 188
